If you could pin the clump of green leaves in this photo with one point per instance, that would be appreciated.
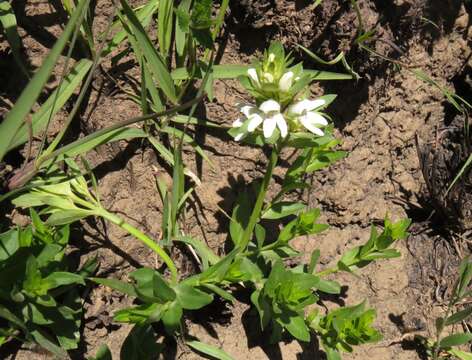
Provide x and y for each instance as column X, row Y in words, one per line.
column 39, row 300
column 445, row 347
column 342, row 329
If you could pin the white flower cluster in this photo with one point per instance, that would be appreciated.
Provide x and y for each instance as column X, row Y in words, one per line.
column 270, row 115
column 285, row 82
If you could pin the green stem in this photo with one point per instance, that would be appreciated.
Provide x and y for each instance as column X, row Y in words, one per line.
column 144, row 238
column 327, row 271
column 256, row 212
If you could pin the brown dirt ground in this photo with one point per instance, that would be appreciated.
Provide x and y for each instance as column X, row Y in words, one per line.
column 377, row 118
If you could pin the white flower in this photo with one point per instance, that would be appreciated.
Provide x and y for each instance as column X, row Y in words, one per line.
column 273, row 118
column 252, row 73
column 305, row 112
column 285, row 82
column 267, row 114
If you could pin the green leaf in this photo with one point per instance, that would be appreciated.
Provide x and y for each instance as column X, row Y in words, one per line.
column 103, row 353
column 227, row 71
column 297, row 327
column 60, row 278
column 209, row 350
column 191, row 298
column 282, row 209
column 220, row 292
column 240, row 217
column 8, row 21
column 53, row 104
column 465, row 276
column 12, row 318
column 69, row 216
column 144, row 15
column 141, row 344
column 151, row 286
column 157, row 65
column 315, row 255
column 141, row 314
column 318, row 75
column 201, row 14
column 116, row 284
column 172, row 317
column 14, row 119
column 455, row 340
column 462, row 355
column 260, row 233
column 207, row 255
column 217, row 272
column 43, row 340
column 9, row 243
column 329, row 287
column 89, row 142
column 332, row 354
column 164, row 28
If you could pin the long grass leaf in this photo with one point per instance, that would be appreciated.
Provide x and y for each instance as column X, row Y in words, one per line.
column 8, row 21
column 319, row 75
column 229, row 71
column 460, row 173
column 165, row 19
column 156, row 63
column 15, row 118
column 53, row 104
column 144, row 15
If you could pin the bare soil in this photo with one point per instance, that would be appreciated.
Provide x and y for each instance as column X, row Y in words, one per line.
column 381, row 118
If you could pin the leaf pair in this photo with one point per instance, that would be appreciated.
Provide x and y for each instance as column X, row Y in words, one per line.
column 377, row 247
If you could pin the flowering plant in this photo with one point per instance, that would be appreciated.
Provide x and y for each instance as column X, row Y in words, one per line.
column 282, row 105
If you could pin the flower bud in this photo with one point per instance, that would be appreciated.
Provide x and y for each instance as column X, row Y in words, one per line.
column 285, row 82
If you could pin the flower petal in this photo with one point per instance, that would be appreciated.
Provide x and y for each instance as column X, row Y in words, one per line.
column 254, row 121
column 285, row 82
column 311, row 121
column 269, row 126
column 281, row 124
column 252, row 73
column 237, row 123
column 316, row 118
column 270, row 106
column 306, row 105
column 247, row 110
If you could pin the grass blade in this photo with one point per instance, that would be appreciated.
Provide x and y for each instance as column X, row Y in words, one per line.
column 460, row 173
column 319, row 75
column 8, row 21
column 144, row 15
column 165, row 20
column 53, row 104
column 15, row 118
column 156, row 63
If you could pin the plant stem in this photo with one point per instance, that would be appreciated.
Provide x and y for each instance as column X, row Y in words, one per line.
column 143, row 237
column 256, row 212
column 327, row 271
